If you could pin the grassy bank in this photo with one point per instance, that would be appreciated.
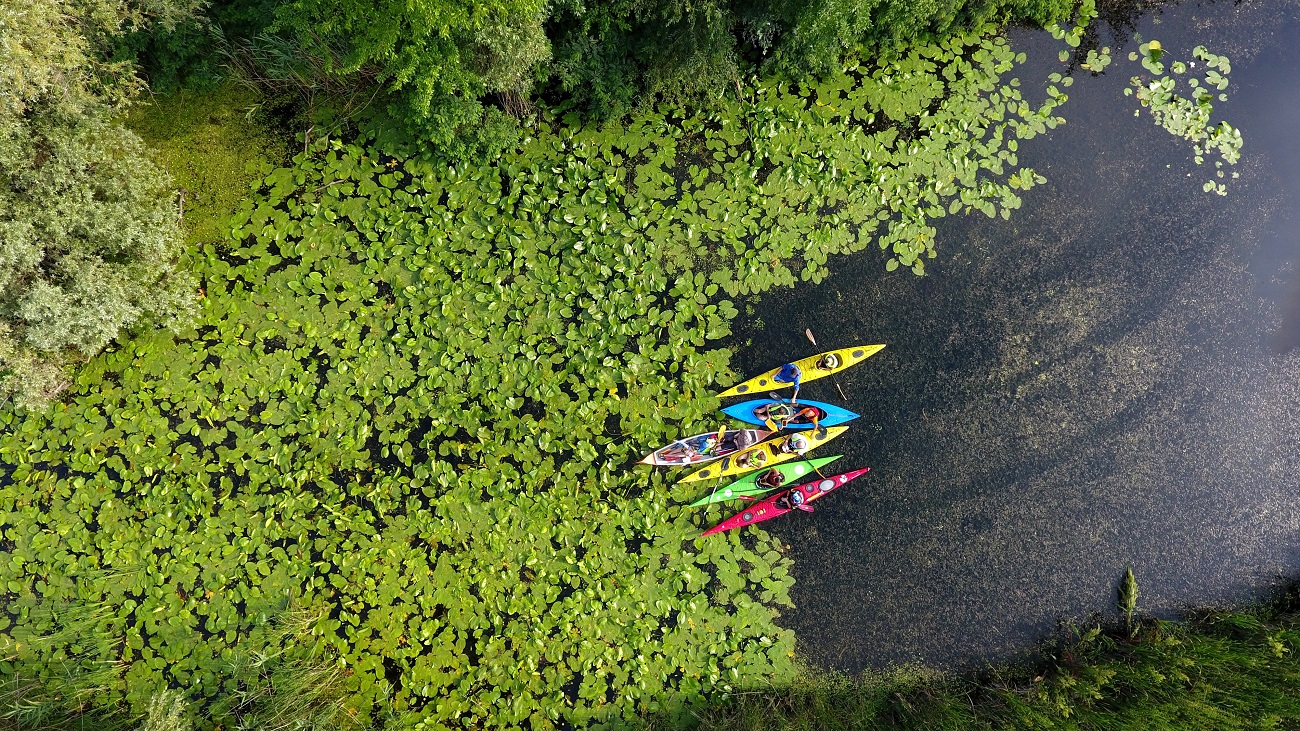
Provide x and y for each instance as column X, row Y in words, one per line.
column 1212, row 670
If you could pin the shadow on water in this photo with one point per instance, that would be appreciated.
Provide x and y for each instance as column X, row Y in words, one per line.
column 1110, row 378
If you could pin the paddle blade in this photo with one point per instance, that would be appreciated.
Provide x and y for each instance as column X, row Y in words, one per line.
column 811, row 339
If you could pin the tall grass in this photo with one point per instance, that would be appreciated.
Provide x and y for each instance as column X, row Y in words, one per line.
column 1215, row 670
column 279, row 678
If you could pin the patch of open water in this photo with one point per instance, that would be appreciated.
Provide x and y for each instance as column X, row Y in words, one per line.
column 1103, row 380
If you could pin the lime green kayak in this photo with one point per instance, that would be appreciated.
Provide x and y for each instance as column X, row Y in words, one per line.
column 746, row 487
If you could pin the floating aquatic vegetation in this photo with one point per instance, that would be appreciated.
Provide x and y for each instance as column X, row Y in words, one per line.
column 415, row 396
column 868, row 156
column 1189, row 117
column 1073, row 35
column 1097, row 60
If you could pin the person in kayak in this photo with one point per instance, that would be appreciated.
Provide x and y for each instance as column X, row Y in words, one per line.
column 703, row 446
column 739, row 440
column 828, row 362
column 752, row 459
column 790, row 373
column 811, row 414
column 793, row 500
column 770, row 480
column 795, row 443
column 778, row 410
column 780, row 416
column 774, row 415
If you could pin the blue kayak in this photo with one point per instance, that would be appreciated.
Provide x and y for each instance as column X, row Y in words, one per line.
column 831, row 414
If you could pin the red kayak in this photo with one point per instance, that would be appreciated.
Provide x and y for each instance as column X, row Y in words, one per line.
column 780, row 504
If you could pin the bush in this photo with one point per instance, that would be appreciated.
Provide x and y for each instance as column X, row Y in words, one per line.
column 88, row 235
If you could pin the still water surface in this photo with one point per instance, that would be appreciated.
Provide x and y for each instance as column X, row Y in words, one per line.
column 1104, row 380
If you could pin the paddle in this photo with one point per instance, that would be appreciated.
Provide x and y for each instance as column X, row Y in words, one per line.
column 813, row 340
column 810, row 464
column 768, row 422
column 780, row 399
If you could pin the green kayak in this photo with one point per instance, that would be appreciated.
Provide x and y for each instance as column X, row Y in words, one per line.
column 745, row 486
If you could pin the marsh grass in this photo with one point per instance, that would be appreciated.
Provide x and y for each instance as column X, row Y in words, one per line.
column 1214, row 669
column 278, row 679
column 58, row 667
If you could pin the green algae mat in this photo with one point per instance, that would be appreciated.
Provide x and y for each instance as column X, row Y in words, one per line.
column 415, row 397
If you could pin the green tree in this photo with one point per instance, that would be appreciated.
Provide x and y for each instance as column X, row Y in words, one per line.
column 818, row 33
column 88, row 235
column 440, row 58
column 616, row 55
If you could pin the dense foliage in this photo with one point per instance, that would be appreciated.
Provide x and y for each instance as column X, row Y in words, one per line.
column 454, row 74
column 1216, row 670
column 611, row 55
column 88, row 235
column 414, row 396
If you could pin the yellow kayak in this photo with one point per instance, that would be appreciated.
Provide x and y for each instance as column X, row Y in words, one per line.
column 764, row 454
column 838, row 361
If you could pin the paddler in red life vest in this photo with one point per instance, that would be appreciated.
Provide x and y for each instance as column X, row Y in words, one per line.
column 770, row 480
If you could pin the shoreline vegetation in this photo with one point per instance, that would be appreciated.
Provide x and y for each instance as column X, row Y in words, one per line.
column 1214, row 669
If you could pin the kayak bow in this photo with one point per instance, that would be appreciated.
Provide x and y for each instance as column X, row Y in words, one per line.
column 765, row 455
column 696, row 449
column 746, row 486
column 767, row 508
column 847, row 357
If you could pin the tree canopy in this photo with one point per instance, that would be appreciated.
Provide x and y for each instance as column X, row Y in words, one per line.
column 88, row 235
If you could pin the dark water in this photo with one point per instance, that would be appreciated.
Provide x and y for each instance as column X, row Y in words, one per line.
column 1097, row 383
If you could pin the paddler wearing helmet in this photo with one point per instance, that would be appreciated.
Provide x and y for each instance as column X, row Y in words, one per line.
column 795, row 443
column 793, row 500
column 828, row 362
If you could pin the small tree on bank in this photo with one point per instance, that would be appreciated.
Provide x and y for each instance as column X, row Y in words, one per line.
column 88, row 234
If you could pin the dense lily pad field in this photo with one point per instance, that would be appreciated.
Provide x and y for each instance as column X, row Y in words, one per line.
column 415, row 397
